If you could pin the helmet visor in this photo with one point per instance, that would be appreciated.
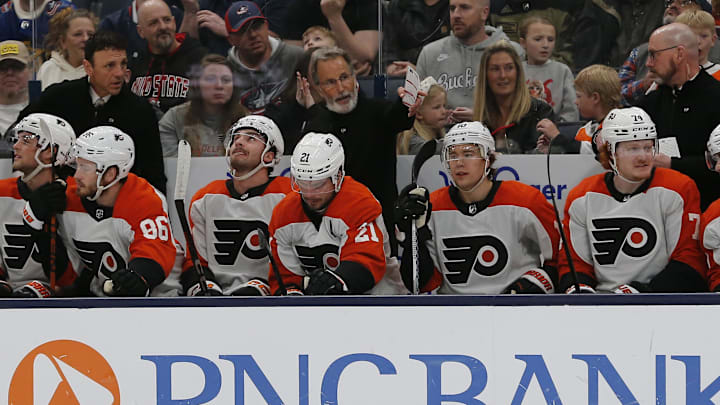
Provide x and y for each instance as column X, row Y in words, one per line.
column 454, row 153
column 312, row 187
column 635, row 149
column 23, row 136
column 712, row 160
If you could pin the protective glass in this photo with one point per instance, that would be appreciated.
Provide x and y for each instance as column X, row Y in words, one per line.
column 633, row 150
column 312, row 187
column 85, row 167
column 22, row 136
column 248, row 138
column 711, row 160
column 454, row 153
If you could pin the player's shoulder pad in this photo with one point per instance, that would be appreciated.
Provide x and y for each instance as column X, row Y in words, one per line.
column 594, row 183
column 513, row 192
column 354, row 202
column 138, row 199
column 214, row 187
column 441, row 201
column 674, row 180
column 712, row 212
column 288, row 211
column 279, row 185
column 9, row 188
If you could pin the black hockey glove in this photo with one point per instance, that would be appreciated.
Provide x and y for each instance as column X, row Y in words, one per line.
column 635, row 287
column 413, row 203
column 127, row 283
column 34, row 289
column 325, row 282
column 213, row 290
column 257, row 287
column 48, row 200
column 5, row 289
column 532, row 282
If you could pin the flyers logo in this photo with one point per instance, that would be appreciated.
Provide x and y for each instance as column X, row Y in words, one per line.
column 64, row 372
column 633, row 236
column 234, row 236
column 318, row 257
column 20, row 246
column 484, row 254
column 100, row 257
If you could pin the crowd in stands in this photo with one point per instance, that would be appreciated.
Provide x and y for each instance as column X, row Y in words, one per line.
column 162, row 72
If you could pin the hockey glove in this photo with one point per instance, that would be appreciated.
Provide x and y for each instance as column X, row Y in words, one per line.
column 325, row 282
column 34, row 289
column 128, row 283
column 213, row 290
column 413, row 203
column 46, row 201
column 5, row 289
column 254, row 287
column 584, row 289
column 532, row 282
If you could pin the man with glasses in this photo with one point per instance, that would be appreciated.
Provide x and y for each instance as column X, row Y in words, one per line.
column 14, row 76
column 367, row 127
column 635, row 78
column 328, row 237
column 635, row 228
column 264, row 65
column 478, row 235
column 683, row 107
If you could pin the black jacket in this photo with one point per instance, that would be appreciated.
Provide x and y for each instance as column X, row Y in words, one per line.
column 689, row 115
column 412, row 24
column 71, row 100
column 164, row 80
column 368, row 134
column 524, row 133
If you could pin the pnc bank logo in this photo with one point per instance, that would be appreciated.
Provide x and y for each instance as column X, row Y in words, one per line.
column 64, row 372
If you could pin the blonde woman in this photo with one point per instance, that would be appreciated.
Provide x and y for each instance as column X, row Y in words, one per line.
column 430, row 120
column 503, row 101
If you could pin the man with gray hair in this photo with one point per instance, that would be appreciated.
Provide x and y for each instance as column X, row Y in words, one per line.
column 683, row 106
column 367, row 127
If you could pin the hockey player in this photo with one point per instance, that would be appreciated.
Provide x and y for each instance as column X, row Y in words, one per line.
column 478, row 235
column 115, row 225
column 710, row 221
column 328, row 237
column 635, row 228
column 41, row 145
column 226, row 215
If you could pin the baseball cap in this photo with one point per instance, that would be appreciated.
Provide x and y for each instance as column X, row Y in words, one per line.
column 240, row 13
column 14, row 50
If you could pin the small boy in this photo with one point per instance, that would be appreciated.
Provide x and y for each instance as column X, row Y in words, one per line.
column 318, row 37
column 597, row 90
column 703, row 25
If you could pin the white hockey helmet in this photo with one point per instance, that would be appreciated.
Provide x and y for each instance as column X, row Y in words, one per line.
column 49, row 130
column 712, row 154
column 106, row 146
column 317, row 157
column 273, row 139
column 627, row 124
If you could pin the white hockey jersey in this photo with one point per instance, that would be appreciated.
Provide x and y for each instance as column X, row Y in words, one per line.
column 351, row 229
column 616, row 239
column 106, row 239
column 19, row 253
column 483, row 247
column 225, row 228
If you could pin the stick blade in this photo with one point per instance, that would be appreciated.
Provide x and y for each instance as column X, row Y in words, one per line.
column 182, row 173
column 427, row 150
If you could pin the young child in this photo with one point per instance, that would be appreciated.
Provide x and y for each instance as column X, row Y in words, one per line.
column 430, row 120
column 318, row 37
column 597, row 90
column 537, row 36
column 703, row 25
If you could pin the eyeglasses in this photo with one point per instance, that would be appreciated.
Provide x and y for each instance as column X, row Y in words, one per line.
column 683, row 3
column 330, row 83
column 653, row 54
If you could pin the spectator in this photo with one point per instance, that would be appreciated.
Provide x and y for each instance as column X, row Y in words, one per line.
column 431, row 118
column 367, row 127
column 503, row 101
column 124, row 22
column 353, row 22
column 318, row 37
column 213, row 107
column 263, row 63
column 410, row 25
column 69, row 31
column 683, row 107
column 635, row 228
column 634, row 75
column 18, row 22
column 103, row 99
column 161, row 76
column 598, row 91
column 703, row 25
column 14, row 76
column 452, row 60
column 537, row 37
column 204, row 20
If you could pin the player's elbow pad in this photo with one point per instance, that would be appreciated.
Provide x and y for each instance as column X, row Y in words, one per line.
column 357, row 277
column 678, row 277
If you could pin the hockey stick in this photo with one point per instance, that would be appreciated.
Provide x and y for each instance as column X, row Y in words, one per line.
column 265, row 245
column 425, row 153
column 182, row 177
column 560, row 225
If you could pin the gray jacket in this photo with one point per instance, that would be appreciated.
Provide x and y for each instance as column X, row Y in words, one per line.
column 206, row 138
column 454, row 65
